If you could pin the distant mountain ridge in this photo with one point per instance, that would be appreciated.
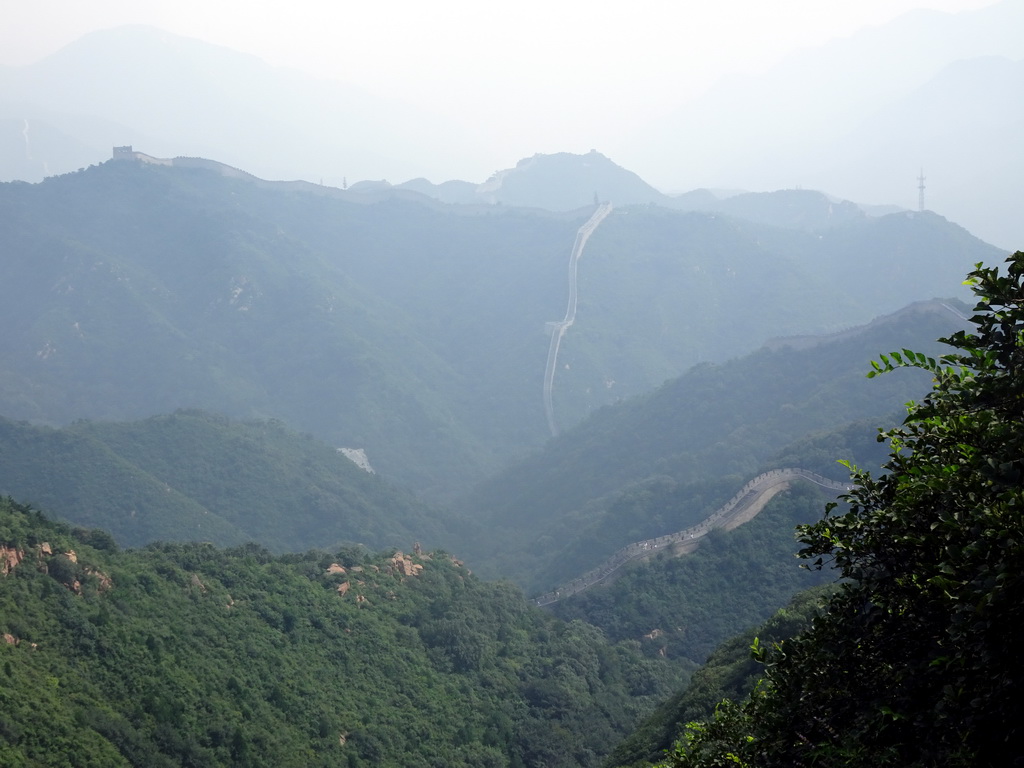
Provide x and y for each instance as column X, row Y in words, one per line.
column 865, row 135
column 392, row 322
column 564, row 182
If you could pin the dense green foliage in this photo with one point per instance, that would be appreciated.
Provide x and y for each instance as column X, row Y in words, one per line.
column 916, row 660
column 182, row 654
column 195, row 476
column 393, row 323
column 683, row 607
column 730, row 673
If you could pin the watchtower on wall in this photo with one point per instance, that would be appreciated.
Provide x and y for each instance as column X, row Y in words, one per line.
column 124, row 153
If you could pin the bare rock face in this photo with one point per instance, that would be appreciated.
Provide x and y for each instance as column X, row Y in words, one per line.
column 10, row 559
column 404, row 566
column 335, row 568
column 343, row 588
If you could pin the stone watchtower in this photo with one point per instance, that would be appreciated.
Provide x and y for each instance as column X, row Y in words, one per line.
column 124, row 153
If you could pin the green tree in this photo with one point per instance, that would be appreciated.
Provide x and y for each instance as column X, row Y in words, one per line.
column 916, row 661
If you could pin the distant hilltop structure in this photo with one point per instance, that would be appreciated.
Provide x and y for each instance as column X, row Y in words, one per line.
column 128, row 153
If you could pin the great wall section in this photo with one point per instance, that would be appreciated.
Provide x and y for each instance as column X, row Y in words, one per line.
column 738, row 510
column 558, row 329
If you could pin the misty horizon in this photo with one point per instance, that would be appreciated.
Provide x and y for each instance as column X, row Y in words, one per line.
column 858, row 117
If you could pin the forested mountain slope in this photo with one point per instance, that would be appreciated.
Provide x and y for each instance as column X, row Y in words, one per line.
column 195, row 476
column 730, row 672
column 683, row 607
column 188, row 655
column 397, row 324
column 153, row 289
column 660, row 463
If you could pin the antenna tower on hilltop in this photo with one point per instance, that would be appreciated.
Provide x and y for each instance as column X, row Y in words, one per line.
column 920, row 191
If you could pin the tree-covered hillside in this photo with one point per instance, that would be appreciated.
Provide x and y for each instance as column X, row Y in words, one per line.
column 683, row 607
column 157, row 288
column 394, row 323
column 657, row 464
column 183, row 654
column 730, row 672
column 195, row 476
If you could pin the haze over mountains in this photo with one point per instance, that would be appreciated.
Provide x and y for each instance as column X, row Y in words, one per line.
column 406, row 327
column 861, row 117
column 177, row 96
column 857, row 118
column 279, row 273
column 650, row 466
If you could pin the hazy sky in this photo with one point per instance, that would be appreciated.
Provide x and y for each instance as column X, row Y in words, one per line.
column 616, row 65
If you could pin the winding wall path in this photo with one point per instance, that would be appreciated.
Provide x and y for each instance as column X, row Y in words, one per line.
column 740, row 508
column 558, row 329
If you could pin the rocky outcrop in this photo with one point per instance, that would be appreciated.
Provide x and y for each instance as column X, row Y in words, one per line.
column 358, row 457
column 403, row 565
column 10, row 558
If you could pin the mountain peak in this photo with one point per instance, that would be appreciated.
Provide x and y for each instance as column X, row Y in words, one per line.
column 566, row 181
